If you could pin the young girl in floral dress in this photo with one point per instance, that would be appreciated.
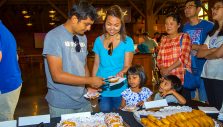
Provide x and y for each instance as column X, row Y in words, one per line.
column 136, row 94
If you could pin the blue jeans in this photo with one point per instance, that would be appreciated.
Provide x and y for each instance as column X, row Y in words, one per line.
column 109, row 104
column 201, row 91
column 196, row 80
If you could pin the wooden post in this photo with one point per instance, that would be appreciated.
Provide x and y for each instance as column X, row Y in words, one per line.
column 2, row 2
column 140, row 12
column 150, row 18
column 57, row 9
column 70, row 4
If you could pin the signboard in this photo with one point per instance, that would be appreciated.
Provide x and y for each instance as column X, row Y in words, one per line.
column 102, row 14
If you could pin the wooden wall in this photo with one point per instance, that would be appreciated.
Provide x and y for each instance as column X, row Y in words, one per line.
column 26, row 43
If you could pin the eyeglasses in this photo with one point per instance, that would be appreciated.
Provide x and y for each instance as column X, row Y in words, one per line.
column 76, row 41
column 216, row 8
column 110, row 48
column 189, row 7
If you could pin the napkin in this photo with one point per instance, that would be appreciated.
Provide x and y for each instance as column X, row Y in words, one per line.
column 11, row 123
column 208, row 109
column 30, row 120
column 75, row 115
column 155, row 104
column 220, row 116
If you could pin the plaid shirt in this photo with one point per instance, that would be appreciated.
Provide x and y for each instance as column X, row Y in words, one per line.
column 171, row 51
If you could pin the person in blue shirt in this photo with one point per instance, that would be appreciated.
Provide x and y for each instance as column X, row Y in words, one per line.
column 198, row 30
column 10, row 74
column 113, row 56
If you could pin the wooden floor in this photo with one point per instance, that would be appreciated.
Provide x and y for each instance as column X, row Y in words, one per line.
column 32, row 98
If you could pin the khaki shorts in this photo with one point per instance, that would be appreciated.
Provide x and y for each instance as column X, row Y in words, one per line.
column 8, row 102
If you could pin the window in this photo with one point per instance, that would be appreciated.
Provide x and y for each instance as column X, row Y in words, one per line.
column 202, row 14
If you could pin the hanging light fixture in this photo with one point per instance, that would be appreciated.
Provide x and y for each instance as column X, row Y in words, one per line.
column 24, row 12
column 29, row 24
column 52, row 23
column 52, row 11
column 26, row 16
column 51, row 15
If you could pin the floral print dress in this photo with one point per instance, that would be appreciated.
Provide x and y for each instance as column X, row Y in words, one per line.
column 132, row 98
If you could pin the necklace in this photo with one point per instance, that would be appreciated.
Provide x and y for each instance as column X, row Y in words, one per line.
column 113, row 37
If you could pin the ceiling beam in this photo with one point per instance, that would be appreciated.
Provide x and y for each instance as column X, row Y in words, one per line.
column 70, row 4
column 202, row 6
column 157, row 10
column 2, row 2
column 137, row 9
column 57, row 9
column 34, row 2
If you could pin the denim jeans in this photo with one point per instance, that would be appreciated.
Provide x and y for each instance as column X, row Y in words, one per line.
column 57, row 112
column 201, row 91
column 8, row 103
column 108, row 104
column 195, row 80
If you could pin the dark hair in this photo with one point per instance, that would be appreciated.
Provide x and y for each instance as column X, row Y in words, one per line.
column 156, row 33
column 216, row 25
column 145, row 35
column 116, row 11
column 175, row 82
column 176, row 17
column 198, row 3
column 83, row 11
column 138, row 70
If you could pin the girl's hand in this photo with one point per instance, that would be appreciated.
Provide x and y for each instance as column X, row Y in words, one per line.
column 165, row 93
column 140, row 103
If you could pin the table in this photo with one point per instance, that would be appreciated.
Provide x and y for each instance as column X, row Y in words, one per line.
column 128, row 116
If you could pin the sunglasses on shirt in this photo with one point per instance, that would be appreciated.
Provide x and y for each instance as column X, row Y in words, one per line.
column 110, row 49
column 76, row 41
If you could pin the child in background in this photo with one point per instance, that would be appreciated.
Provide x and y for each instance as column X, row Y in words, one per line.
column 136, row 94
column 169, row 89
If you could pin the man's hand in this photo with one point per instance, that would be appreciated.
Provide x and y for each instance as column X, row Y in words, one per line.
column 92, row 90
column 195, row 47
column 96, row 82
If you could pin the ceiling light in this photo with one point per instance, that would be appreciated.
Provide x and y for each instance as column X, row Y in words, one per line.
column 52, row 23
column 52, row 11
column 26, row 16
column 52, row 15
column 29, row 24
column 24, row 12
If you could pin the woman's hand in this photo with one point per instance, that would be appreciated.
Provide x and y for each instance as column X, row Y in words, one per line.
column 164, row 71
column 120, row 74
